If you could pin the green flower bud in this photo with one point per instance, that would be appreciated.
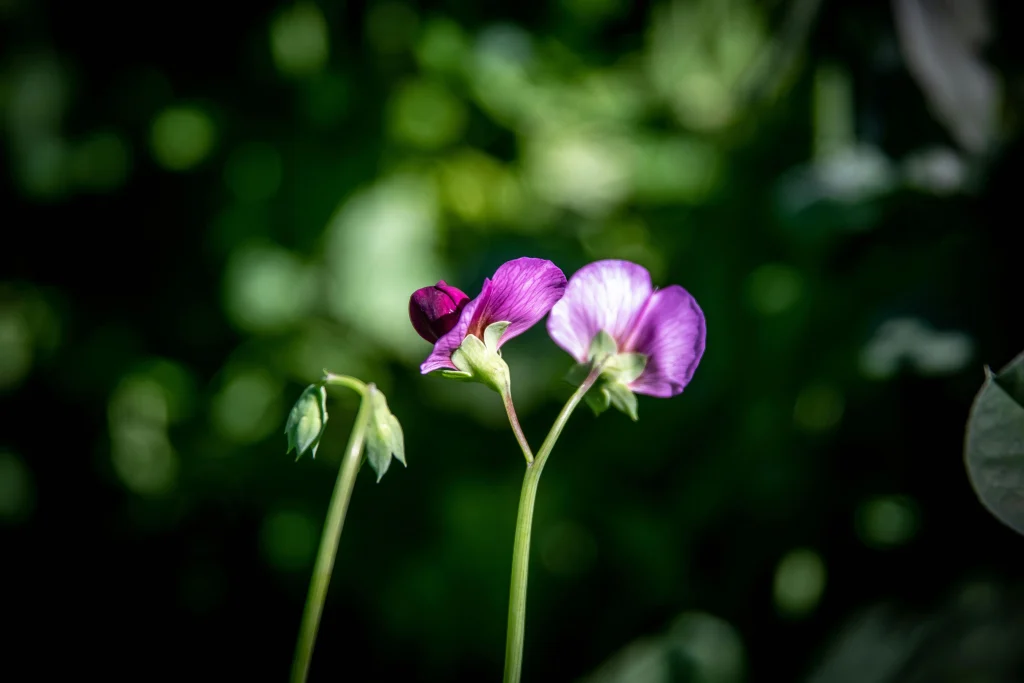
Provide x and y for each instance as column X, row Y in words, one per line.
column 384, row 436
column 307, row 421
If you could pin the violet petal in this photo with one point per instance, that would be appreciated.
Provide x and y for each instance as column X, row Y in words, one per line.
column 522, row 292
column 671, row 334
column 604, row 295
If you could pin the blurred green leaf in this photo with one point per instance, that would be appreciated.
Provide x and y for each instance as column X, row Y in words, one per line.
column 994, row 450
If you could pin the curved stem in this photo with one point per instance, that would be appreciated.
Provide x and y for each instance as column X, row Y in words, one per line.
column 332, row 530
column 513, row 419
column 524, row 524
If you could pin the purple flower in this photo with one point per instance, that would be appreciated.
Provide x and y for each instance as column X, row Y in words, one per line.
column 435, row 310
column 520, row 293
column 665, row 325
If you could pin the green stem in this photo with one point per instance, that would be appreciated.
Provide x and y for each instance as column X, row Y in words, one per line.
column 332, row 529
column 524, row 524
column 513, row 419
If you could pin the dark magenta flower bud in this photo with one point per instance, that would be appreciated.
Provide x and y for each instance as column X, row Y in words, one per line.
column 435, row 310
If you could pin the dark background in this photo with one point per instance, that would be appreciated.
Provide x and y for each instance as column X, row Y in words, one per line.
column 204, row 206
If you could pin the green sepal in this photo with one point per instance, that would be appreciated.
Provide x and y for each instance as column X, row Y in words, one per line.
column 577, row 374
column 598, row 399
column 622, row 398
column 458, row 375
column 602, row 346
column 492, row 335
column 307, row 421
column 478, row 360
column 625, row 367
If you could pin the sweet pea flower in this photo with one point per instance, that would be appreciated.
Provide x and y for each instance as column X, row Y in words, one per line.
column 646, row 340
column 435, row 310
column 521, row 292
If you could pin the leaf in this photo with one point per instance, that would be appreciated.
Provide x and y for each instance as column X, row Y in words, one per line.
column 994, row 447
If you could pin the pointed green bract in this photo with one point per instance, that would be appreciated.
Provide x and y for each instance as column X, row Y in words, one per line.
column 384, row 438
column 307, row 421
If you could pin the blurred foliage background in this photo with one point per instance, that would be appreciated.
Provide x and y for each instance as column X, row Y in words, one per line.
column 204, row 206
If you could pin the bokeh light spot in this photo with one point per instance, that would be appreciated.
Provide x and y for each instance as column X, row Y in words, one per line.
column 774, row 288
column 712, row 645
column 799, row 583
column 425, row 114
column 43, row 167
column 442, row 47
column 381, row 246
column 248, row 407
column 589, row 174
column 182, row 137
column 299, row 41
column 16, row 347
column 886, row 521
column 267, row 288
column 138, row 413
column 143, row 458
column 100, row 162
column 139, row 399
column 478, row 188
column 818, row 408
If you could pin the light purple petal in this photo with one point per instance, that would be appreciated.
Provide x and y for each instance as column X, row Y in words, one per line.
column 604, row 295
column 671, row 334
column 441, row 357
column 522, row 292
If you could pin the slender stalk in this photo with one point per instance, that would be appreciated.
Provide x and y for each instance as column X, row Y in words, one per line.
column 524, row 525
column 513, row 419
column 332, row 530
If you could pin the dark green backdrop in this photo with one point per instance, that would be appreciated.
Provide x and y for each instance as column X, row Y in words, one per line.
column 204, row 206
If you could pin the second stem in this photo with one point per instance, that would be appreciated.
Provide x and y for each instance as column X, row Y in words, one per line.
column 524, row 526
